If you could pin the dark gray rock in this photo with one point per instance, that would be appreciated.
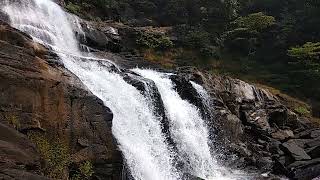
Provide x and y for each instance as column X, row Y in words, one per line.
column 282, row 134
column 84, row 142
column 278, row 116
column 306, row 173
column 314, row 152
column 265, row 163
column 274, row 147
column 299, row 164
column 315, row 133
column 305, row 170
column 95, row 38
column 4, row 17
column 300, row 142
column 296, row 152
column 314, row 142
column 308, row 134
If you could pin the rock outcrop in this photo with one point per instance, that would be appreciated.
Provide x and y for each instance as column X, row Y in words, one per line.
column 255, row 125
column 40, row 97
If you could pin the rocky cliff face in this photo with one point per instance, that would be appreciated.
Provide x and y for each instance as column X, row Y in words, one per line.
column 252, row 127
column 39, row 96
column 253, row 124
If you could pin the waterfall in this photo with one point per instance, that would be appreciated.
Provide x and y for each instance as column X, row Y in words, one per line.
column 136, row 127
column 187, row 127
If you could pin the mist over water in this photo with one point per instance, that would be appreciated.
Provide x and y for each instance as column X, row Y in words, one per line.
column 136, row 127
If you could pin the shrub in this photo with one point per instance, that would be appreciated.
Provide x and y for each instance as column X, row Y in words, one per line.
column 210, row 51
column 85, row 171
column 73, row 8
column 308, row 51
column 197, row 39
column 256, row 21
column 153, row 41
column 302, row 110
column 164, row 43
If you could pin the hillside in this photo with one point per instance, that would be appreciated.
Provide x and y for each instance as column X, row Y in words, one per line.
column 275, row 43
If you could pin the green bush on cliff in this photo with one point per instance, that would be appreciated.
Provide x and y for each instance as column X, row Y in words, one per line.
column 245, row 34
column 54, row 152
column 85, row 171
column 302, row 110
column 308, row 51
column 196, row 39
column 256, row 21
column 209, row 51
column 73, row 8
column 153, row 41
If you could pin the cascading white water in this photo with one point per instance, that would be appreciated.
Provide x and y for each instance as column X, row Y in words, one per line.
column 45, row 21
column 205, row 97
column 136, row 127
column 202, row 93
column 187, row 128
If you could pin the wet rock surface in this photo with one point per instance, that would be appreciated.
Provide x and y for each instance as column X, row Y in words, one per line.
column 38, row 95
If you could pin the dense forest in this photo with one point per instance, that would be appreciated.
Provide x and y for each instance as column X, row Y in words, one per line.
column 264, row 41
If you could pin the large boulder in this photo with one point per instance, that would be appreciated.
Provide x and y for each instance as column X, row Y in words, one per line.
column 296, row 152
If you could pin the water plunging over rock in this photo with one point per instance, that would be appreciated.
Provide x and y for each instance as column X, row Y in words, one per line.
column 136, row 126
column 167, row 126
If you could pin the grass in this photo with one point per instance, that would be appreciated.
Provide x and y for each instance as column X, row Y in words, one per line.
column 85, row 171
column 14, row 121
column 164, row 58
column 54, row 152
column 302, row 111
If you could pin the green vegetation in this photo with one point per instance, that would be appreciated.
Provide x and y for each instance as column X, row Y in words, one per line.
column 256, row 21
column 13, row 120
column 153, row 41
column 85, row 171
column 54, row 152
column 265, row 41
column 302, row 110
column 73, row 8
column 309, row 51
column 165, row 12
